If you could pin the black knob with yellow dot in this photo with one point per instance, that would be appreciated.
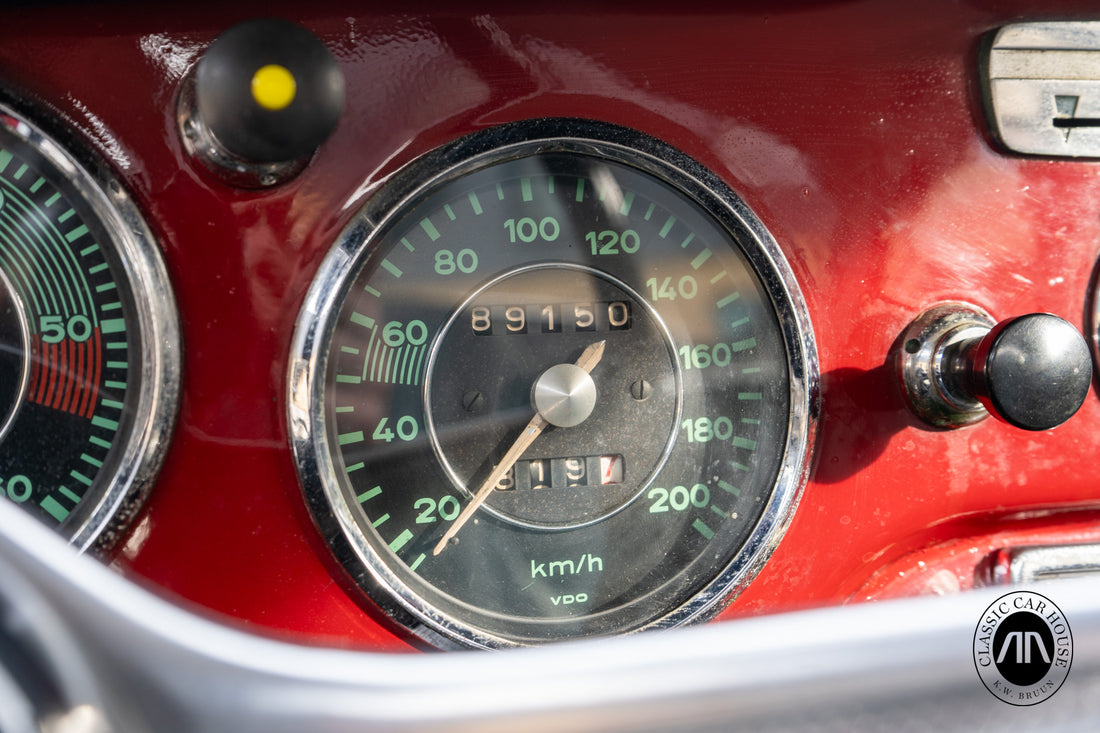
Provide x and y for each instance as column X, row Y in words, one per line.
column 268, row 91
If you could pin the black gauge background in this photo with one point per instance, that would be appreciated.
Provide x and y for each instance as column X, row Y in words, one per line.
column 46, row 443
column 687, row 584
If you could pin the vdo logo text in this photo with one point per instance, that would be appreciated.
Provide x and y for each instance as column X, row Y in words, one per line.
column 1023, row 648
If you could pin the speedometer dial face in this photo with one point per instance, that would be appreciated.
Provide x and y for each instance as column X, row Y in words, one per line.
column 562, row 389
column 88, row 341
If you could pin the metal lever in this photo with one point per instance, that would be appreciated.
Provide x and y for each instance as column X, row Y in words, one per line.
column 956, row 367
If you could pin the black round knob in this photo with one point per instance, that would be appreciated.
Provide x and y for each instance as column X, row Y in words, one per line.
column 1033, row 371
column 268, row 91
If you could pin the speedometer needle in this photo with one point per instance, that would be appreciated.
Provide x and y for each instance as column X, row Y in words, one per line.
column 587, row 361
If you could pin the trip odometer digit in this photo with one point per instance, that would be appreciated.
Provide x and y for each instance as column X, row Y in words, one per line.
column 554, row 381
column 88, row 341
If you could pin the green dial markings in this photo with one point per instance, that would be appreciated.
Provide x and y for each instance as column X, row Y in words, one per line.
column 350, row 438
column 628, row 202
column 54, row 508
column 361, row 320
column 699, row 526
column 570, row 250
column 475, row 203
column 392, row 268
column 81, row 478
column 102, row 422
column 401, row 540
column 728, row 299
column 77, row 233
column 744, row 344
column 729, row 489
column 429, row 229
column 113, row 325
column 369, row 494
column 669, row 223
column 701, row 259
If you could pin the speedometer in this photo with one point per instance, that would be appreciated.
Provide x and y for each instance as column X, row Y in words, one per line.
column 554, row 381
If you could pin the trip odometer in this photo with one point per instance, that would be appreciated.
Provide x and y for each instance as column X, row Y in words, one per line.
column 554, row 381
column 88, row 341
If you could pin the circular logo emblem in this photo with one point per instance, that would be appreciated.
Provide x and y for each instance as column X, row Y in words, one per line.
column 1023, row 648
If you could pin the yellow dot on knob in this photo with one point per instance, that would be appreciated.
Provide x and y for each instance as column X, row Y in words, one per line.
column 273, row 87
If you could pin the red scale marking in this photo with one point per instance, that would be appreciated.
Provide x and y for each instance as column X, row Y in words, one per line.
column 65, row 376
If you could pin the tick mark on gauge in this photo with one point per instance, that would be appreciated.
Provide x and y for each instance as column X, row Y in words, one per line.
column 628, row 202
column 416, row 563
column 728, row 488
column 429, row 229
column 361, row 320
column 703, row 529
column 392, row 268
column 667, row 227
column 349, row 438
column 475, row 203
column 728, row 299
column 744, row 345
column 401, row 541
column 525, row 189
column 700, row 259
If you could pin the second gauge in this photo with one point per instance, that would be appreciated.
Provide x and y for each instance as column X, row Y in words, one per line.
column 550, row 396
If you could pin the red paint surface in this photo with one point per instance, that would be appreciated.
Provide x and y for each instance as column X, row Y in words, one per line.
column 854, row 130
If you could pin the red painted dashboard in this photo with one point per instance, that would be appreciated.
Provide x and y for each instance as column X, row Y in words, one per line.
column 854, row 130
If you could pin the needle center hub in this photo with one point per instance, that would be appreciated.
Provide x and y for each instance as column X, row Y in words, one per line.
column 564, row 395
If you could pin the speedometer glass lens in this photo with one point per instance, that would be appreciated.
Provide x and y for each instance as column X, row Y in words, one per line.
column 88, row 341
column 588, row 338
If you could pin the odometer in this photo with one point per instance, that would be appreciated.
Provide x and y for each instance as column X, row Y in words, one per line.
column 554, row 381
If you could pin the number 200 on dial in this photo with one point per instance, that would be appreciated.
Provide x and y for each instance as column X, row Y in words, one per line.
column 561, row 389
